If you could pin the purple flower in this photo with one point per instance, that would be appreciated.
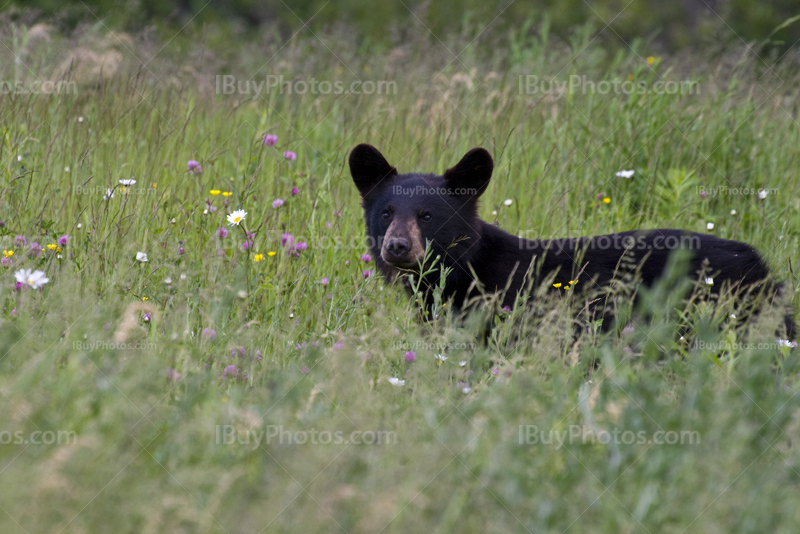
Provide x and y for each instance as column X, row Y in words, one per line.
column 277, row 203
column 251, row 235
column 338, row 345
column 324, row 281
column 295, row 191
column 173, row 375
column 146, row 317
column 366, row 257
column 208, row 334
column 270, row 140
column 702, row 194
column 18, row 286
column 287, row 239
column 367, row 273
column 495, row 371
column 247, row 245
column 327, row 225
column 63, row 240
column 222, row 232
column 20, row 241
column 301, row 246
column 194, row 167
column 212, row 209
column 304, row 369
column 258, row 354
column 231, row 370
column 506, row 309
column 181, row 251
column 411, row 356
column 6, row 261
column 290, row 155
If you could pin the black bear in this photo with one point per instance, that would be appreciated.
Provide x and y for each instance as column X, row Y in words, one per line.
column 405, row 212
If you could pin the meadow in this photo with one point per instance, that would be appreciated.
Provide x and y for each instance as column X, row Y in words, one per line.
column 181, row 373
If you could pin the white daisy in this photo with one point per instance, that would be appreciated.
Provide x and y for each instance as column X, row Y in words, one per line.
column 625, row 174
column 787, row 343
column 141, row 256
column 440, row 358
column 733, row 212
column 709, row 281
column 508, row 202
column 466, row 390
column 236, row 217
column 763, row 194
column 31, row 278
column 710, row 226
column 168, row 280
column 127, row 182
column 462, row 363
column 109, row 194
column 396, row 381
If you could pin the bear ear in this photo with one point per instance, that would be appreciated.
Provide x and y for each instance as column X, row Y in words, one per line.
column 369, row 169
column 471, row 175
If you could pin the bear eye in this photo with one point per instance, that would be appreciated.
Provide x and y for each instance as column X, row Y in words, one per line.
column 427, row 217
column 385, row 215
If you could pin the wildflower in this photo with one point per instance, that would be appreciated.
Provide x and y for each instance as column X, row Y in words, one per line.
column 277, row 203
column 733, row 212
column 109, row 194
column 80, row 119
column 141, row 256
column 20, row 241
column 557, row 285
column 495, row 371
column 710, row 226
column 6, row 260
column 258, row 257
column 366, row 257
column 338, row 345
column 181, row 251
column 146, row 317
column 763, row 194
column 787, row 343
column 304, row 370
column 230, row 370
column 215, row 192
column 287, row 239
column 247, row 245
column 709, row 281
column 439, row 359
column 208, row 333
column 226, row 193
column 290, row 155
column 650, row 60
column 173, row 375
column 324, row 281
column 168, row 280
column 194, row 167
column 79, row 226
column 411, row 356
column 35, row 249
column 127, row 182
column 270, row 140
column 52, row 247
column 8, row 253
column 271, row 253
column 396, row 381
column 506, row 309
column 301, row 246
column 462, row 363
column 63, row 240
column 34, row 279
column 703, row 194
column 66, row 169
column 625, row 174
column 295, row 191
column 366, row 274
column 508, row 202
column 606, row 200
column 236, row 217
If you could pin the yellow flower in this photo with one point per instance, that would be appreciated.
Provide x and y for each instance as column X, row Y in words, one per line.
column 271, row 253
column 606, row 200
column 227, row 194
column 214, row 192
column 566, row 288
column 557, row 285
column 144, row 299
column 52, row 247
column 258, row 257
column 630, row 77
column 650, row 60
column 8, row 253
column 155, row 185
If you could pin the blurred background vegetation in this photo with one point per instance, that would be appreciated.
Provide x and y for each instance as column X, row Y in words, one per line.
column 672, row 25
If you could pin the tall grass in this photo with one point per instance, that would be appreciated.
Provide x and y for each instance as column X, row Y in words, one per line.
column 122, row 354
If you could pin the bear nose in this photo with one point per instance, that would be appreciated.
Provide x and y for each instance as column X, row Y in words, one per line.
column 397, row 246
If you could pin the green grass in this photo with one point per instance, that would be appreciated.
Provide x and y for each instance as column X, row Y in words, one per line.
column 77, row 355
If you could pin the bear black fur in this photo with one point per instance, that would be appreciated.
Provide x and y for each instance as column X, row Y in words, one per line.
column 405, row 211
